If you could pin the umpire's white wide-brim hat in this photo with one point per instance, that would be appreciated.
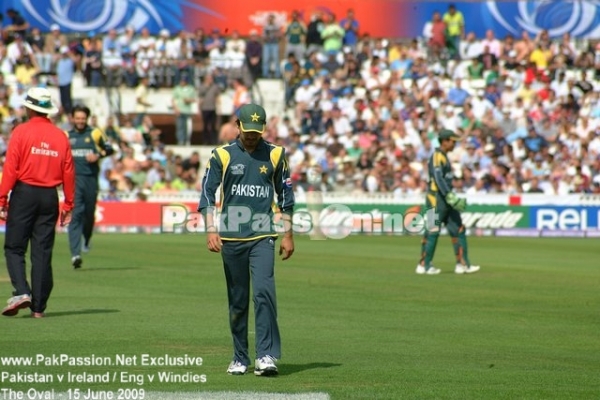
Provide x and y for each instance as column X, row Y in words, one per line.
column 40, row 100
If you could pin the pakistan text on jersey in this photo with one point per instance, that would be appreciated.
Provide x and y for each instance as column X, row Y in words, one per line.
column 251, row 190
column 43, row 152
column 81, row 152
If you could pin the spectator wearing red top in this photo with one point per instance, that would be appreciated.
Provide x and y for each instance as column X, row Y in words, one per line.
column 437, row 35
column 38, row 160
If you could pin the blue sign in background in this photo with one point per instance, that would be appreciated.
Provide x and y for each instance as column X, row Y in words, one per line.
column 580, row 18
column 564, row 217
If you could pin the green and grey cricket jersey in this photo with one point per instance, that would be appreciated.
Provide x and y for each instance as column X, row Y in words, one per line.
column 91, row 140
column 250, row 182
column 440, row 178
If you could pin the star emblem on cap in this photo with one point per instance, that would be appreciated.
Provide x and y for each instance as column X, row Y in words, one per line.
column 263, row 169
column 255, row 117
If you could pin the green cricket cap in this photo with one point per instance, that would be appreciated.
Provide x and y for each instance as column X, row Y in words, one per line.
column 253, row 118
column 448, row 134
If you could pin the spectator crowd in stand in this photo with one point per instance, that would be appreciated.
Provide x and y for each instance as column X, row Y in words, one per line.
column 362, row 113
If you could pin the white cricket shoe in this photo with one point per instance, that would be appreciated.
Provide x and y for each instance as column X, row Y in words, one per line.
column 431, row 271
column 265, row 366
column 464, row 269
column 237, row 368
column 76, row 262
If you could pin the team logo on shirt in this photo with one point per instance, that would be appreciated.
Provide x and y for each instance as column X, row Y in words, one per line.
column 237, row 169
column 263, row 169
column 87, row 139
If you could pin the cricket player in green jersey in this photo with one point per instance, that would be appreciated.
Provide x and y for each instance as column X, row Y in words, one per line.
column 88, row 146
column 447, row 206
column 250, row 171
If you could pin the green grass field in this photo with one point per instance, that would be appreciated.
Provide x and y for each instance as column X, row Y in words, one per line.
column 356, row 321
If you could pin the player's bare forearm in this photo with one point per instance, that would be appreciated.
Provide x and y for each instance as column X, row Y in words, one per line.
column 209, row 218
column 287, row 225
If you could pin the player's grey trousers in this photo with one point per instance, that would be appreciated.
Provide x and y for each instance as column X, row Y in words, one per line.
column 242, row 261
column 82, row 222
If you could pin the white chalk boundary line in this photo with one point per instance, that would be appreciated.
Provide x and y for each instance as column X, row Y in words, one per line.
column 223, row 396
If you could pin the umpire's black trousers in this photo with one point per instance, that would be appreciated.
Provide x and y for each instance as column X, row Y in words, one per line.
column 32, row 216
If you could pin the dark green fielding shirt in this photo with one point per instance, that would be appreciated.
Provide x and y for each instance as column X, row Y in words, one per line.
column 250, row 182
column 440, row 175
column 91, row 140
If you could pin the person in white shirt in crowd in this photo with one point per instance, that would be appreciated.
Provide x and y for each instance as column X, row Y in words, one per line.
column 147, row 62
column 573, row 143
column 348, row 141
column 145, row 40
column 111, row 42
column 470, row 48
column 594, row 144
column 304, row 97
column 18, row 49
column 560, row 86
column 112, row 62
column 236, row 57
column 219, row 59
column 132, row 136
column 127, row 38
column 16, row 99
column 179, row 52
column 376, row 79
column 477, row 189
column 426, row 82
column 449, row 119
column 341, row 124
column 235, row 42
column 551, row 103
column 557, row 187
column 403, row 139
column 585, row 126
column 346, row 103
column 425, row 151
column 380, row 49
column 568, row 44
column 470, row 157
column 480, row 104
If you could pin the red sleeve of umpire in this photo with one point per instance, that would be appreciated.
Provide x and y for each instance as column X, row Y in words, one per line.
column 68, row 180
column 9, row 171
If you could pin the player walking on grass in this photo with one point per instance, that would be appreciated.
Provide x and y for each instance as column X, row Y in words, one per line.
column 88, row 145
column 38, row 160
column 448, row 207
column 249, row 170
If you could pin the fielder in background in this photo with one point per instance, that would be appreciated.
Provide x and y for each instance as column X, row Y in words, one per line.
column 447, row 206
column 251, row 171
column 88, row 145
column 38, row 160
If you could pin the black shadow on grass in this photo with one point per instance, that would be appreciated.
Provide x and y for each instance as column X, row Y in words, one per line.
column 289, row 369
column 102, row 269
column 81, row 312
